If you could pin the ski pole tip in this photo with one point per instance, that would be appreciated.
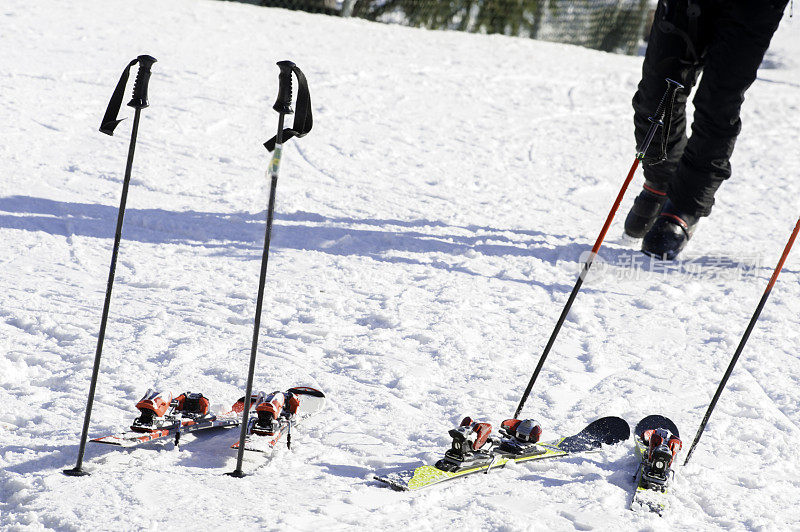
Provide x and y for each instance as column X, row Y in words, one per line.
column 76, row 472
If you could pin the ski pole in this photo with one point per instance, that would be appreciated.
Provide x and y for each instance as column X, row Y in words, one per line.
column 744, row 339
column 657, row 120
column 110, row 121
column 302, row 125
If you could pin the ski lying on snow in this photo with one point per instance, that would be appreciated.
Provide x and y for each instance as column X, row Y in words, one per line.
column 131, row 438
column 163, row 419
column 607, row 430
column 654, row 476
column 276, row 414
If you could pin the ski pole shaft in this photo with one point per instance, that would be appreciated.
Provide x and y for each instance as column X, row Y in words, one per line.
column 109, row 287
column 138, row 102
column 744, row 339
column 656, row 121
column 576, row 289
column 283, row 106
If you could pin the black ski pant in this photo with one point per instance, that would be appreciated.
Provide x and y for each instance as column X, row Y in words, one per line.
column 727, row 42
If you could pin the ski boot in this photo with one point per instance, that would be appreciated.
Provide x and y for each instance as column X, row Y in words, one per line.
column 153, row 407
column 471, row 446
column 662, row 446
column 669, row 234
column 192, row 405
column 646, row 208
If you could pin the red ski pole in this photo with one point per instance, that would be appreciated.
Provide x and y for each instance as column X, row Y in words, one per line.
column 743, row 341
column 656, row 121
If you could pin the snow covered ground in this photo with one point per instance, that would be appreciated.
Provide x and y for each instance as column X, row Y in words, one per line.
column 428, row 232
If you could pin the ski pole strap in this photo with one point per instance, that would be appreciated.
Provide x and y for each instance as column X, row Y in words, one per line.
column 662, row 117
column 303, row 120
column 665, row 129
column 110, row 119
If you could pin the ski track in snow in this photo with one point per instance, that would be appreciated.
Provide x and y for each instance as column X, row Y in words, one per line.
column 426, row 237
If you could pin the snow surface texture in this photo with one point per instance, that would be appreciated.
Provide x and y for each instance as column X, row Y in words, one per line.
column 427, row 233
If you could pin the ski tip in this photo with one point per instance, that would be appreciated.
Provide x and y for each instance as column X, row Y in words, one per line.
column 609, row 430
column 306, row 390
column 604, row 431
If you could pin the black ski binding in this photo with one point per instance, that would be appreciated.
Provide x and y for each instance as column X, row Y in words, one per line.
column 471, row 446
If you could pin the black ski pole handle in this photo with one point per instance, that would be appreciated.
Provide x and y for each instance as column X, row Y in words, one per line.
column 139, row 100
column 669, row 95
column 283, row 104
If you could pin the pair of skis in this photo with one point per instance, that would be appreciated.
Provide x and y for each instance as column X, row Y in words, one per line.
column 162, row 419
column 507, row 449
column 274, row 416
column 650, row 491
column 173, row 422
column 475, row 451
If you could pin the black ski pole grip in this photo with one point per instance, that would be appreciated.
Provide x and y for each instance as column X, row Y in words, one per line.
column 139, row 100
column 284, row 102
column 669, row 94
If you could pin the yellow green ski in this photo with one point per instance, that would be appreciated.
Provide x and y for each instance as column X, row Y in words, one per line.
column 650, row 496
column 607, row 430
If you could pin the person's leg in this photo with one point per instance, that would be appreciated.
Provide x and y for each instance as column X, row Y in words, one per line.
column 741, row 34
column 668, row 55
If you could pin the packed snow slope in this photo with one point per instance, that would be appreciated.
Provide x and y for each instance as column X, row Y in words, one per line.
column 428, row 231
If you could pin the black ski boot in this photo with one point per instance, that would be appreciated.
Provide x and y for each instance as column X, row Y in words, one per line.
column 645, row 210
column 669, row 234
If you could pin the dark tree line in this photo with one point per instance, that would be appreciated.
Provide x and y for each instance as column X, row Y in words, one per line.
column 610, row 25
column 509, row 17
